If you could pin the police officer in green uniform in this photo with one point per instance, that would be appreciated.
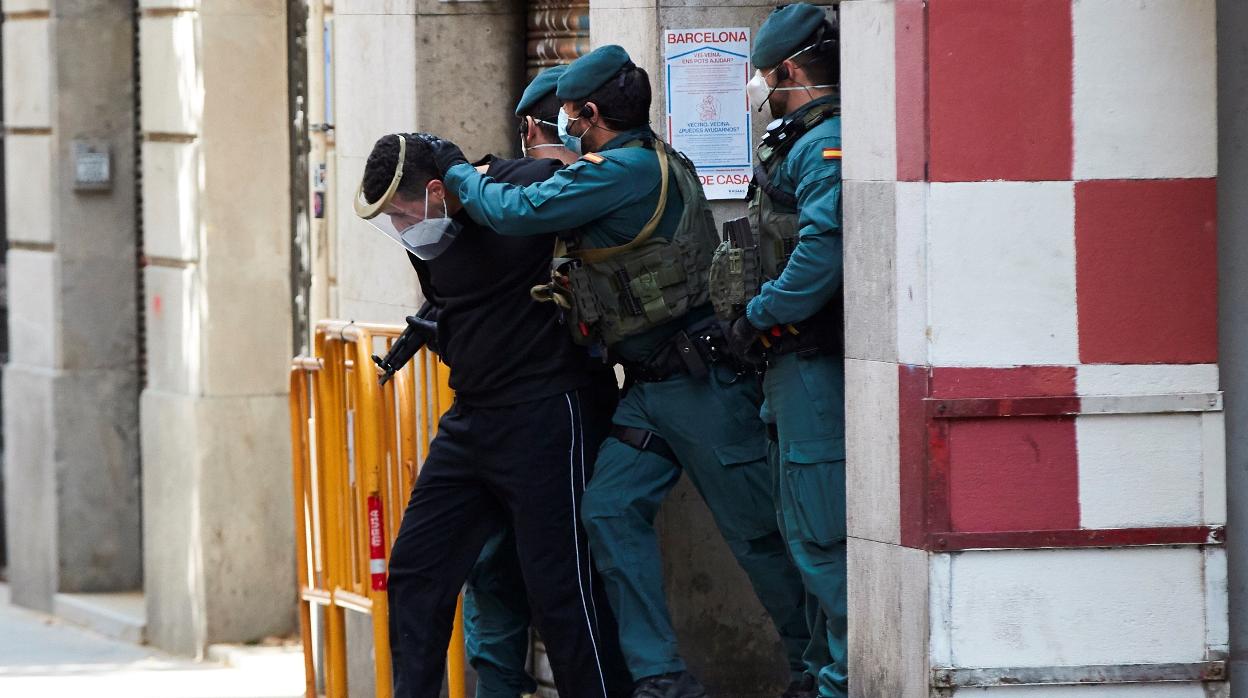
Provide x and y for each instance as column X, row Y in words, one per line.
column 496, row 621
column 634, row 281
column 496, row 612
column 538, row 111
column 795, row 318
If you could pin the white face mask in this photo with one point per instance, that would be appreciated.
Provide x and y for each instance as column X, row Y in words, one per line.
column 427, row 237
column 757, row 90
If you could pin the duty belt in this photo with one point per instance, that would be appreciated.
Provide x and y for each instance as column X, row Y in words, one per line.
column 819, row 335
column 799, row 338
column 692, row 351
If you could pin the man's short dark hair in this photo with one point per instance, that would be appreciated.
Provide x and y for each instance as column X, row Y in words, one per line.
column 624, row 100
column 418, row 167
column 546, row 109
column 823, row 62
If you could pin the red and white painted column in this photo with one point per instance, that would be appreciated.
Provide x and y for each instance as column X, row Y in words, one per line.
column 1036, row 447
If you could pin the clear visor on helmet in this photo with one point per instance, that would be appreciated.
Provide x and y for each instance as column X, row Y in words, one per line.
column 408, row 223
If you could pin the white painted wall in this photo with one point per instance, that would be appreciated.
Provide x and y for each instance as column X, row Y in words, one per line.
column 1001, row 273
column 1145, row 103
column 1150, row 379
column 1075, row 607
column 1169, row 690
column 1140, row 470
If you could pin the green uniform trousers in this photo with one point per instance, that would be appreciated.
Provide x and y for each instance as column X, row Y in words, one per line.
column 496, row 620
column 712, row 426
column 805, row 400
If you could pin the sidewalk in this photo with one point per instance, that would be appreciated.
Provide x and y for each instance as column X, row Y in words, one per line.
column 43, row 657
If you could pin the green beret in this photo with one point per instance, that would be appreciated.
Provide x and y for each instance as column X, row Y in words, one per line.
column 541, row 86
column 591, row 71
column 784, row 33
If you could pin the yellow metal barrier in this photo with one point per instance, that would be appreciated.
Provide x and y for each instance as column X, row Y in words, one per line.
column 356, row 449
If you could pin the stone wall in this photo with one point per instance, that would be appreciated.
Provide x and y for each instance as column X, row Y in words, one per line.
column 71, row 463
column 217, row 506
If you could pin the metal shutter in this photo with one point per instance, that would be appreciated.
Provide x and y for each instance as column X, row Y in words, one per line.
column 558, row 32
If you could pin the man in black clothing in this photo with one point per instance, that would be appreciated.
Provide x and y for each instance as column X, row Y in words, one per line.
column 516, row 447
column 496, row 608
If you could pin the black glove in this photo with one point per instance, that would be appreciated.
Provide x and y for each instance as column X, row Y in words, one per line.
column 743, row 341
column 446, row 154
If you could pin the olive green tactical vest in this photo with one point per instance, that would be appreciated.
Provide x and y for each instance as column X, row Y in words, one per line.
column 737, row 274
column 648, row 284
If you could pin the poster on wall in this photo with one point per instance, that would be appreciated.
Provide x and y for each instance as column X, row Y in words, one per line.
column 708, row 114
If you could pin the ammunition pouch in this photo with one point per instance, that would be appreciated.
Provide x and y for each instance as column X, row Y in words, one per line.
column 609, row 301
column 610, row 294
column 735, row 275
column 753, row 250
column 743, row 262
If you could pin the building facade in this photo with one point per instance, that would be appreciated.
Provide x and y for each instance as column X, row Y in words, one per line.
column 1036, row 235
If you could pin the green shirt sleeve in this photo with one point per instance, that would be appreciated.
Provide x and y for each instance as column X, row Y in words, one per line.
column 815, row 270
column 577, row 194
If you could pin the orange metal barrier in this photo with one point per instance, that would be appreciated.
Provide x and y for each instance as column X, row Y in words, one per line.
column 356, row 448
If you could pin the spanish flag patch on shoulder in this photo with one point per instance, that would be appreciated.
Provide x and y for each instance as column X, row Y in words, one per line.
column 831, row 153
column 594, row 158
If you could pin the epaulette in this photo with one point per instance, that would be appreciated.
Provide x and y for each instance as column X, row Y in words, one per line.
column 594, row 158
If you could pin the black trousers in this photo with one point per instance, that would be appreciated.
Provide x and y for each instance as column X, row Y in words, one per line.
column 526, row 464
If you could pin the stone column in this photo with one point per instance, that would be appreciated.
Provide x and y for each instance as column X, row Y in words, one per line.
column 71, row 415
column 1036, row 445
column 218, row 527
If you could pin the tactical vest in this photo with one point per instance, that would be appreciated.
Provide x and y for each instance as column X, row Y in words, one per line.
column 609, row 294
column 739, row 270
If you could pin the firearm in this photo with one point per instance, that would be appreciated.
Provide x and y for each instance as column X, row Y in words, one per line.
column 421, row 330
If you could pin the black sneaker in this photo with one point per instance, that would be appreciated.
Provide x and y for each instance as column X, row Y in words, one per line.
column 802, row 688
column 680, row 684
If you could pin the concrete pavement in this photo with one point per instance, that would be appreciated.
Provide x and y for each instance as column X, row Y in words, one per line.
column 44, row 657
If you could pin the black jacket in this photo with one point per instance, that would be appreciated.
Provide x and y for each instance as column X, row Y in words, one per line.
column 503, row 347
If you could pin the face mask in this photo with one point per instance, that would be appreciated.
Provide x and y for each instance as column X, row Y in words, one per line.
column 756, row 90
column 570, row 142
column 426, row 238
column 430, row 237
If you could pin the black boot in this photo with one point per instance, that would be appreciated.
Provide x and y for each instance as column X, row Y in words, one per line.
column 680, row 684
column 802, row 688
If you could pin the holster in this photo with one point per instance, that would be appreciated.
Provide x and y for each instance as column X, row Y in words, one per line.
column 692, row 351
